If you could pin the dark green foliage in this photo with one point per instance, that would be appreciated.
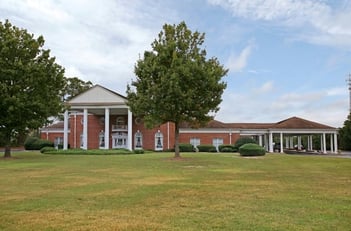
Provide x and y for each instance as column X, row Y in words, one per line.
column 345, row 135
column 186, row 148
column 227, row 148
column 35, row 143
column 206, row 148
column 176, row 82
column 138, row 151
column 31, row 83
column 251, row 149
column 244, row 140
column 47, row 149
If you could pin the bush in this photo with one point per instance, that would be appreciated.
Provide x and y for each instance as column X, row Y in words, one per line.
column 206, row 148
column 252, row 150
column 34, row 143
column 186, row 148
column 47, row 149
column 138, row 151
column 244, row 140
column 227, row 148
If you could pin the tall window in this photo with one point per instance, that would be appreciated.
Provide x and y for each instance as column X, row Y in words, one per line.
column 216, row 142
column 120, row 122
column 58, row 141
column 138, row 140
column 195, row 141
column 81, row 141
column 101, row 139
column 158, row 141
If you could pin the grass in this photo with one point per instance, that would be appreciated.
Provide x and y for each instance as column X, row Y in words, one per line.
column 155, row 192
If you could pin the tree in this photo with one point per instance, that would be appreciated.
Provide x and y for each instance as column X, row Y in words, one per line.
column 345, row 134
column 175, row 82
column 31, row 83
column 74, row 86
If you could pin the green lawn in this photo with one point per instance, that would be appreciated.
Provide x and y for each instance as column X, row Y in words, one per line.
column 155, row 192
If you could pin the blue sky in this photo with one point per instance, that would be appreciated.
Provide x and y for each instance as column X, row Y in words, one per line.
column 285, row 58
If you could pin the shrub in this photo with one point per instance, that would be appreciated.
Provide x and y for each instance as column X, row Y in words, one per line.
column 138, row 151
column 227, row 148
column 244, row 140
column 34, row 143
column 205, row 148
column 186, row 148
column 251, row 150
column 47, row 149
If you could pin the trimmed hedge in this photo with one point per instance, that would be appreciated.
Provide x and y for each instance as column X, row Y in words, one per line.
column 186, row 148
column 227, row 148
column 244, row 140
column 139, row 151
column 252, row 150
column 35, row 143
column 206, row 148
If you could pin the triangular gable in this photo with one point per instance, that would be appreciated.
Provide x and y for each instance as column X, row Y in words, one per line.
column 97, row 95
column 298, row 123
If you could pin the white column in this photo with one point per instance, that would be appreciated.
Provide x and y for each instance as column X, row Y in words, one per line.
column 260, row 140
column 85, row 129
column 287, row 142
column 291, row 142
column 281, row 142
column 331, row 144
column 266, row 143
column 311, row 142
column 107, row 128
column 335, row 143
column 130, row 130
column 65, row 130
column 298, row 142
column 324, row 144
column 270, row 142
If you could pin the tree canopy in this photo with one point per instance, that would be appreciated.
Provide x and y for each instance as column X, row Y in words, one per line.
column 31, row 82
column 74, row 86
column 175, row 82
column 345, row 134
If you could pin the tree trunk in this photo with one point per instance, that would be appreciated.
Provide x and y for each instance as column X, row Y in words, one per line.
column 7, row 151
column 176, row 142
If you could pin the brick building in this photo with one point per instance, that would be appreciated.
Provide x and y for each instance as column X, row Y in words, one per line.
column 100, row 118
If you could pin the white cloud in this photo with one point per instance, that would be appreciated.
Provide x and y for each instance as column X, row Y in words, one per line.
column 237, row 63
column 266, row 87
column 317, row 21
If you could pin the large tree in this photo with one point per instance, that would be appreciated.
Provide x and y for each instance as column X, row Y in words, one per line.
column 31, row 83
column 175, row 82
column 74, row 86
column 345, row 134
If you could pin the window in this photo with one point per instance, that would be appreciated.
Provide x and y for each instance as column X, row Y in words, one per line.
column 101, row 139
column 58, row 141
column 158, row 141
column 195, row 141
column 120, row 122
column 138, row 140
column 216, row 142
column 81, row 141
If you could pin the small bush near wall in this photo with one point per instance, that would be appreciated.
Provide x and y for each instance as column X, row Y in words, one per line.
column 244, row 140
column 186, row 148
column 252, row 150
column 206, row 148
column 35, row 143
column 138, row 151
column 227, row 148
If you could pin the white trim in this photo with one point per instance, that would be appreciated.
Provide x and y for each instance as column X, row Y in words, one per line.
column 85, row 129
column 65, row 130
column 130, row 130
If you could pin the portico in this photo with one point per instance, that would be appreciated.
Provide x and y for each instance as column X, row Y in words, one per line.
column 104, row 115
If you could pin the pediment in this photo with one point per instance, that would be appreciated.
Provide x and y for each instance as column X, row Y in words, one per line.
column 98, row 95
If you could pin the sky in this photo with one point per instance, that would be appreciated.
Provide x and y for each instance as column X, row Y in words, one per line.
column 285, row 57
